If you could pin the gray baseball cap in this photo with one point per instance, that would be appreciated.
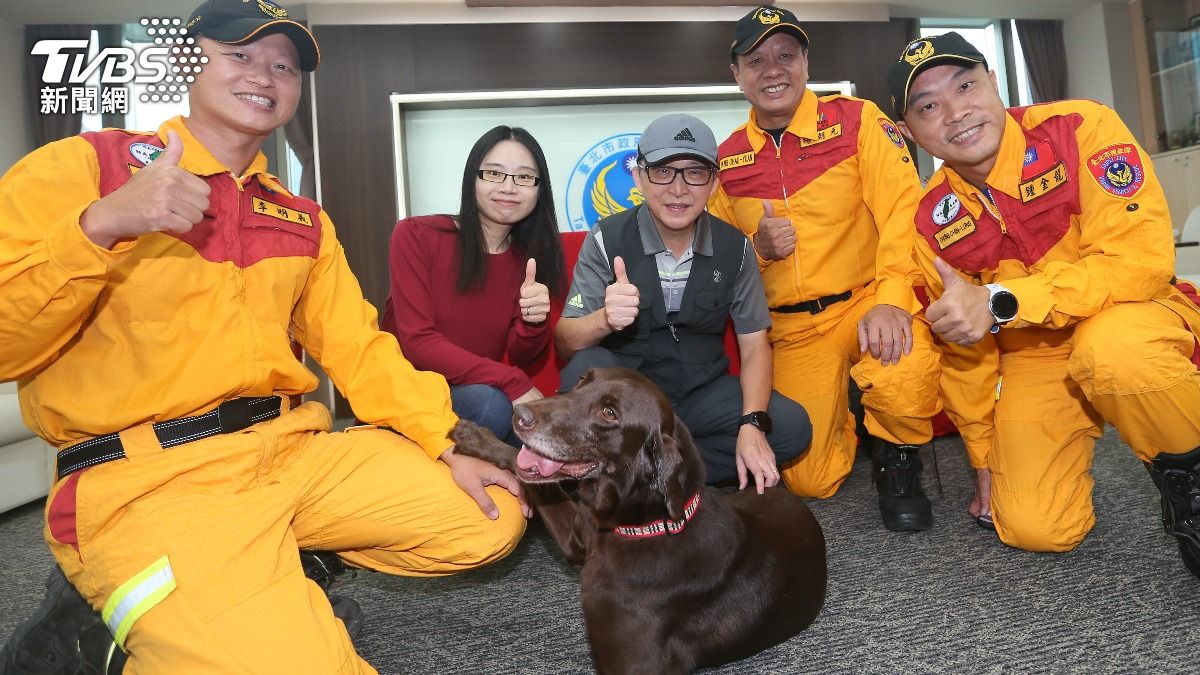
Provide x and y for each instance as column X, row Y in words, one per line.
column 677, row 135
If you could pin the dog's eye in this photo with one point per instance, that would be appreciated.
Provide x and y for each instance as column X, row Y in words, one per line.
column 608, row 413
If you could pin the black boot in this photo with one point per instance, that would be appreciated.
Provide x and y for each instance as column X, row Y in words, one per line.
column 324, row 567
column 64, row 636
column 903, row 503
column 1178, row 481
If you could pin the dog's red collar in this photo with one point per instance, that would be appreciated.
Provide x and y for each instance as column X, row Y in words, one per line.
column 661, row 526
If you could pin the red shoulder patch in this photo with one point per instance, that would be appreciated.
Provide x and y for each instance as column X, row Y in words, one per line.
column 1118, row 169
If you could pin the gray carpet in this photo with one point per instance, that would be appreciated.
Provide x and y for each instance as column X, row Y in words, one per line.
column 951, row 600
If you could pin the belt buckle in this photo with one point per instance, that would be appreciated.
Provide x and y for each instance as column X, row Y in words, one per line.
column 234, row 415
column 820, row 307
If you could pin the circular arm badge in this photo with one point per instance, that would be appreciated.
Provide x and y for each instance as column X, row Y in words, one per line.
column 1118, row 169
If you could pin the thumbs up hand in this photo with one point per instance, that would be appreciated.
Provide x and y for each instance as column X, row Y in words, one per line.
column 160, row 197
column 962, row 314
column 776, row 236
column 535, row 297
column 621, row 299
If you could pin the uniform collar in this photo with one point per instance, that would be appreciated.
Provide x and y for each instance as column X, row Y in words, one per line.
column 198, row 160
column 652, row 242
column 803, row 124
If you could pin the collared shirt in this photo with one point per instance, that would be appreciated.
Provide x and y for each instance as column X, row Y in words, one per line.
column 593, row 274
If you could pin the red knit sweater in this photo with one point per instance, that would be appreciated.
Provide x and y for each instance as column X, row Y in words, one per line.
column 463, row 336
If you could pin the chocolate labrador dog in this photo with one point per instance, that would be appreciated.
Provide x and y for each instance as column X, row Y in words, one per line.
column 674, row 577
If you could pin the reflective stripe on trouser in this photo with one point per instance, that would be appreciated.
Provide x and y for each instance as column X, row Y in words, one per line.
column 1133, row 362
column 815, row 355
column 230, row 513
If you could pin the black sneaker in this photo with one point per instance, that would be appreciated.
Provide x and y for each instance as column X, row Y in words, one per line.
column 1178, row 480
column 324, row 567
column 64, row 636
column 902, row 501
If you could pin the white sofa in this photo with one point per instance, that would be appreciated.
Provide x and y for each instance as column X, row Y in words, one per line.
column 26, row 461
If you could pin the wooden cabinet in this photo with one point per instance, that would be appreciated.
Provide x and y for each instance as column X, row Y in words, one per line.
column 1179, row 173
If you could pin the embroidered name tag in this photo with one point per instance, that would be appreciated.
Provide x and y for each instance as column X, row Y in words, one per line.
column 1040, row 185
column 266, row 208
column 734, row 161
column 826, row 134
column 954, row 231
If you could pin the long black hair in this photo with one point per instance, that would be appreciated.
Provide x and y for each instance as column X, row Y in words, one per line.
column 535, row 237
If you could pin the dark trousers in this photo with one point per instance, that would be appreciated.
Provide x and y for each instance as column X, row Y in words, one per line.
column 711, row 413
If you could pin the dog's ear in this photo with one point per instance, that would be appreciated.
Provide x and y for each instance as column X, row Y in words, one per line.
column 678, row 467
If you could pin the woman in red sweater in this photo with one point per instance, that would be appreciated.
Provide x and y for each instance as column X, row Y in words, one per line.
column 470, row 289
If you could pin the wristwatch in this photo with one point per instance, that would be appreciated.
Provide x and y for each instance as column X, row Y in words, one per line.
column 1002, row 304
column 758, row 418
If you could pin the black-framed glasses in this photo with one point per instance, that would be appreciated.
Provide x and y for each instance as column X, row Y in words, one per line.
column 522, row 179
column 665, row 175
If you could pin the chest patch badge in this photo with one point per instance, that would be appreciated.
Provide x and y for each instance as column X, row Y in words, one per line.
column 734, row 161
column 823, row 135
column 892, row 132
column 273, row 210
column 954, row 232
column 947, row 209
column 1040, row 185
column 144, row 152
column 1118, row 169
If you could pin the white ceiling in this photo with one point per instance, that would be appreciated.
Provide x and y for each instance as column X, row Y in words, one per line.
column 453, row 11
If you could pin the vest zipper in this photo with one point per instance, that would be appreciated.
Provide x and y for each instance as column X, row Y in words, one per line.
column 674, row 335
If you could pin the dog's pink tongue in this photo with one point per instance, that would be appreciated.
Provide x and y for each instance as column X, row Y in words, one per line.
column 528, row 459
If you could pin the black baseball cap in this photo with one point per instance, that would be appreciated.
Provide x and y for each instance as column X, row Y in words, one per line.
column 239, row 21
column 922, row 54
column 752, row 29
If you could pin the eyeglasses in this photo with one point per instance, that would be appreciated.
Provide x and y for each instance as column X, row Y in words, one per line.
column 665, row 175
column 522, row 179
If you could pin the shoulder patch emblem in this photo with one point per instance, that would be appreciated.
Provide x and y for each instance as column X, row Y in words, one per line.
column 273, row 210
column 892, row 132
column 576, row 301
column 955, row 231
column 947, row 209
column 1118, row 169
column 734, row 161
column 1040, row 185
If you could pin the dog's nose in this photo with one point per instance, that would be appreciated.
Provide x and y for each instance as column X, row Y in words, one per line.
column 523, row 417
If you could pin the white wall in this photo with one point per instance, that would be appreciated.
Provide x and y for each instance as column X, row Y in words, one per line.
column 1088, row 66
column 16, row 134
column 1100, row 61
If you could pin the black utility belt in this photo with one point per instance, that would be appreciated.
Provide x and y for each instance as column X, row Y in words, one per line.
column 812, row 306
column 230, row 416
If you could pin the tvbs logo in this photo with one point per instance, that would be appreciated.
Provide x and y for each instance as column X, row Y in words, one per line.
column 67, row 63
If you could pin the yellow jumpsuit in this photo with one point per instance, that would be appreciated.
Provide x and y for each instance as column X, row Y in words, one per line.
column 845, row 179
column 191, row 552
column 1075, row 224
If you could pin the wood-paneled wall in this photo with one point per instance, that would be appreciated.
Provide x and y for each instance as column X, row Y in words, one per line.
column 362, row 65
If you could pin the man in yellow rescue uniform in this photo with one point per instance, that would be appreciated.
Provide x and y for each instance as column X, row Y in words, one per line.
column 825, row 188
column 1047, row 247
column 149, row 283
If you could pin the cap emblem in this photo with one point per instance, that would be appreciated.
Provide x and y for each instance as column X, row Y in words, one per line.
column 767, row 16
column 272, row 10
column 685, row 135
column 918, row 51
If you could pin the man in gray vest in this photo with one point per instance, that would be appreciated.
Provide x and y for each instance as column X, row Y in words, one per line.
column 653, row 290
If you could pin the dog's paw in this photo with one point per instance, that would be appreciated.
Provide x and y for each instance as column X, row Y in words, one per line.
column 476, row 441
